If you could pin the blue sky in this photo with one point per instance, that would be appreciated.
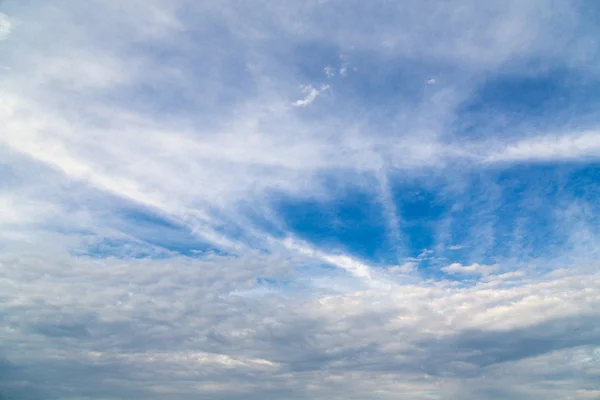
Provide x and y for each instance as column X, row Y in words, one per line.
column 299, row 200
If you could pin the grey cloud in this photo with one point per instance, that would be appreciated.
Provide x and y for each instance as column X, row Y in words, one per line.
column 116, row 329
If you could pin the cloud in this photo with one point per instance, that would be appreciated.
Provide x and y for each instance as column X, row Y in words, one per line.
column 568, row 147
column 473, row 269
column 5, row 26
column 587, row 394
column 353, row 266
column 312, row 94
column 405, row 268
column 154, row 327
column 174, row 224
column 329, row 71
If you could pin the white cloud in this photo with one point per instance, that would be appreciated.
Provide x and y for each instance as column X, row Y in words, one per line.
column 473, row 269
column 355, row 267
column 587, row 394
column 5, row 26
column 311, row 94
column 405, row 268
column 425, row 253
column 579, row 146
column 505, row 276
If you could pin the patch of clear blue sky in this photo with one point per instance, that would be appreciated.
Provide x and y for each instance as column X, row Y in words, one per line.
column 420, row 209
column 352, row 222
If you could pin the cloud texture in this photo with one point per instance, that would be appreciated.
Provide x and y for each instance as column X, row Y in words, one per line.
column 304, row 200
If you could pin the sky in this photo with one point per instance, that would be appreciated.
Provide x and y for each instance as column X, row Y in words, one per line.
column 310, row 199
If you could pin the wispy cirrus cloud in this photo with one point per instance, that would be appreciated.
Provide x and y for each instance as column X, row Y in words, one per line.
column 583, row 146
